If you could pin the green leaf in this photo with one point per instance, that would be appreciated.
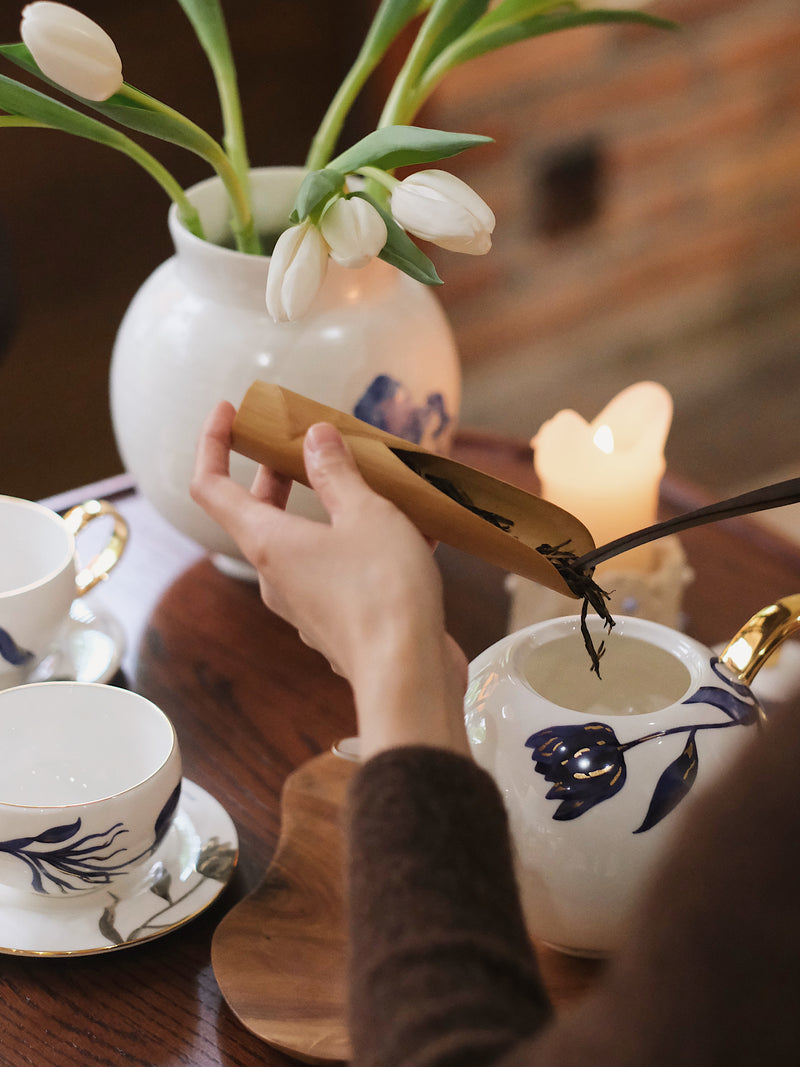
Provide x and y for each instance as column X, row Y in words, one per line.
column 391, row 17
column 455, row 23
column 317, row 187
column 137, row 112
column 159, row 124
column 445, row 23
column 18, row 99
column 400, row 251
column 495, row 31
column 208, row 22
column 401, row 146
column 508, row 11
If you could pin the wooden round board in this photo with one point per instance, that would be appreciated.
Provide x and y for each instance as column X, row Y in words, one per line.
column 279, row 955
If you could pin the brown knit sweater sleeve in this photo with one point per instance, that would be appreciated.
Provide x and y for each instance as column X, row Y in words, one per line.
column 442, row 968
column 442, row 974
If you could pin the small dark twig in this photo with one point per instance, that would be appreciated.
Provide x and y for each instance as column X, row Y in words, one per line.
column 580, row 581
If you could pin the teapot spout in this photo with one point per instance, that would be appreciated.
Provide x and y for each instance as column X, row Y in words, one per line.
column 748, row 651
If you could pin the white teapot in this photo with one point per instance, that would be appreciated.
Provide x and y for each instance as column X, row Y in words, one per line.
column 599, row 774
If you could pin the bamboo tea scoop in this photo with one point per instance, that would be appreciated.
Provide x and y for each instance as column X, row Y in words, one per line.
column 461, row 506
column 447, row 500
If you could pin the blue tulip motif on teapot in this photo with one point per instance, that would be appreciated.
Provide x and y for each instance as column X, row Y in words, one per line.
column 586, row 763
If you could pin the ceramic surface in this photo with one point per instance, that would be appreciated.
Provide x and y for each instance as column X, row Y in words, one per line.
column 88, row 648
column 40, row 577
column 375, row 344
column 595, row 795
column 37, row 584
column 188, row 872
column 90, row 779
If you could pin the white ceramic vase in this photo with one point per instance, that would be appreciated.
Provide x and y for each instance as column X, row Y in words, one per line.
column 375, row 343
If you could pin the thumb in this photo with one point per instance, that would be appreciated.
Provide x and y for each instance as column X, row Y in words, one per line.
column 331, row 471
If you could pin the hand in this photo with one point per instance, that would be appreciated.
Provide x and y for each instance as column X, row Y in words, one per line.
column 363, row 590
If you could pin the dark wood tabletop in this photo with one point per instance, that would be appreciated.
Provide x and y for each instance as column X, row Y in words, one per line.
column 250, row 704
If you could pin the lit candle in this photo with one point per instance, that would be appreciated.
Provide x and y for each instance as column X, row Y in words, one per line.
column 607, row 472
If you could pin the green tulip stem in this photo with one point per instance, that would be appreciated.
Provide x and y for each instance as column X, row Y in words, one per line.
column 20, row 121
column 484, row 36
column 324, row 142
column 399, row 109
column 381, row 177
column 234, row 140
column 207, row 148
column 186, row 210
column 325, row 138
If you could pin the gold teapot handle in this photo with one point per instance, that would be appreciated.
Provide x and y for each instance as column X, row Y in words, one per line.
column 97, row 569
column 747, row 652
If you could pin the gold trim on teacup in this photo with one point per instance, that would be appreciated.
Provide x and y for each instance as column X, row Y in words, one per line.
column 97, row 570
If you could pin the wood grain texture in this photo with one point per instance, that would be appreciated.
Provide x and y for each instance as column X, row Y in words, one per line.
column 280, row 955
column 251, row 704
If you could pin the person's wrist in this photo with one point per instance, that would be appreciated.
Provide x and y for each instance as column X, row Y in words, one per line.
column 407, row 691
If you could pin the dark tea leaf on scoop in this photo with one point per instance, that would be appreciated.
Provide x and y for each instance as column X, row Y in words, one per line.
column 580, row 581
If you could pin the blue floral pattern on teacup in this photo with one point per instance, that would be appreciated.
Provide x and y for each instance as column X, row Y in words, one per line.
column 63, row 860
column 586, row 763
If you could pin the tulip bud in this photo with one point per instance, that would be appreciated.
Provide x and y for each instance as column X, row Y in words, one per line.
column 436, row 206
column 354, row 231
column 72, row 50
column 296, row 271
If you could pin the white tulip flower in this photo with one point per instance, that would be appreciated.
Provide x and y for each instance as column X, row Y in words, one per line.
column 72, row 50
column 436, row 206
column 354, row 231
column 296, row 271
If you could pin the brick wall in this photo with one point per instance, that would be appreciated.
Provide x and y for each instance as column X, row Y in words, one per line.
column 684, row 266
column 685, row 150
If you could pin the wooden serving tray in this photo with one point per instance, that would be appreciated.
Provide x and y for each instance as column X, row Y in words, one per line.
column 279, row 955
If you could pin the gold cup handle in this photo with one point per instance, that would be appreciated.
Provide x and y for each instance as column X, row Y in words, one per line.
column 747, row 652
column 97, row 570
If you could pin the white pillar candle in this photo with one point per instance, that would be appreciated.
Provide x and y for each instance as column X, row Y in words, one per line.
column 607, row 472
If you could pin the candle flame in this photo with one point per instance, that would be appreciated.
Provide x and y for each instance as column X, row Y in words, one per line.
column 604, row 439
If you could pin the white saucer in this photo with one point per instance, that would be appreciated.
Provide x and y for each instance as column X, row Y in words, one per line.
column 188, row 871
column 89, row 648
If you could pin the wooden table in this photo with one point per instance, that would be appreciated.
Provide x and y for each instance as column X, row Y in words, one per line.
column 251, row 703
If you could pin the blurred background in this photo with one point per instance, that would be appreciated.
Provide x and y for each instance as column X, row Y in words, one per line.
column 647, row 193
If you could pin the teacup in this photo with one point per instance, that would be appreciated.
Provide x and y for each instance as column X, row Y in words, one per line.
column 600, row 775
column 90, row 778
column 40, row 576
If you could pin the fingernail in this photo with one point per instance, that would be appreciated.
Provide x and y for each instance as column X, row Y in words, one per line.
column 323, row 436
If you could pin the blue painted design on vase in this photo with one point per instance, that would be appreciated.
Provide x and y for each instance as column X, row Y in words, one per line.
column 11, row 652
column 586, row 764
column 387, row 404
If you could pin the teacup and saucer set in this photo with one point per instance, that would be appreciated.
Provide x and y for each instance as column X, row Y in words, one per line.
column 103, row 842
column 49, row 629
